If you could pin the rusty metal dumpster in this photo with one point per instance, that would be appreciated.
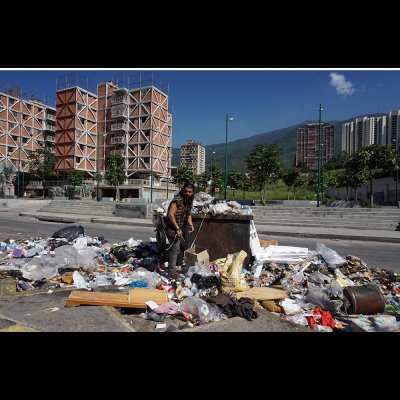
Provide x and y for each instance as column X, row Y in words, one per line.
column 223, row 234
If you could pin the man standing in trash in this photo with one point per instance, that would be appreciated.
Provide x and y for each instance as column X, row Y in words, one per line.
column 179, row 225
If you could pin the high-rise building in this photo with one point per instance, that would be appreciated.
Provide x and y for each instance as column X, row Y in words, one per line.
column 125, row 116
column 76, row 132
column 362, row 132
column 193, row 157
column 308, row 143
column 393, row 127
column 25, row 126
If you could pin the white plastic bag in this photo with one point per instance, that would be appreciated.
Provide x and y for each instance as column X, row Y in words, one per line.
column 197, row 306
column 332, row 258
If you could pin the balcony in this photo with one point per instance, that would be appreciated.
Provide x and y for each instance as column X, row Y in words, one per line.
column 119, row 112
column 119, row 126
column 119, row 100
column 49, row 139
column 48, row 127
column 51, row 117
column 118, row 140
column 117, row 152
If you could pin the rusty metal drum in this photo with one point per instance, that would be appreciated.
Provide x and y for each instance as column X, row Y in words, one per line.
column 364, row 299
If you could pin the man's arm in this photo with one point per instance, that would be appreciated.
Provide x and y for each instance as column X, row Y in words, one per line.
column 171, row 216
column 190, row 223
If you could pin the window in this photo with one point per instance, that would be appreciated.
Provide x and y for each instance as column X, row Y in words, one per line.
column 11, row 125
column 82, row 121
column 28, row 130
column 80, row 106
column 24, row 140
column 24, row 117
column 40, row 122
column 143, row 119
column 14, row 113
column 11, row 101
column 10, row 149
column 77, row 160
column 146, row 159
column 29, row 107
column 142, row 146
column 39, row 110
column 15, row 138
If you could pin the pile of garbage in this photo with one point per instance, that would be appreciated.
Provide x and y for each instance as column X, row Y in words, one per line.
column 205, row 204
column 317, row 289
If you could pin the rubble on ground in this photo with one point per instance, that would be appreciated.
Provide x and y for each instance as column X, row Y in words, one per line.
column 318, row 289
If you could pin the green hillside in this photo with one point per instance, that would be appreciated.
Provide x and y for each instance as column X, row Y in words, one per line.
column 285, row 137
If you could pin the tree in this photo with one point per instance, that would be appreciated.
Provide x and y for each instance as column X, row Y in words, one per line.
column 291, row 178
column 7, row 173
column 355, row 174
column 184, row 175
column 202, row 180
column 41, row 164
column 265, row 163
column 337, row 162
column 215, row 173
column 115, row 172
column 235, row 179
column 372, row 160
column 245, row 184
column 75, row 178
column 98, row 177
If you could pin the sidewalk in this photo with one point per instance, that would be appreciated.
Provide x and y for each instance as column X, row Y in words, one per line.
column 262, row 229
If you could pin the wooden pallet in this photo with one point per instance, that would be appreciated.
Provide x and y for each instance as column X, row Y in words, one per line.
column 136, row 298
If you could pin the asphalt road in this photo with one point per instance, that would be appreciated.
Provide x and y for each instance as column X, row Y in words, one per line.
column 375, row 254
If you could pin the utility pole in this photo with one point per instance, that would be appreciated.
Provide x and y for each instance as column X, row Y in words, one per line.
column 319, row 156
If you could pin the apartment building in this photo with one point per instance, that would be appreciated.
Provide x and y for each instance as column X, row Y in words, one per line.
column 307, row 144
column 193, row 156
column 364, row 131
column 26, row 125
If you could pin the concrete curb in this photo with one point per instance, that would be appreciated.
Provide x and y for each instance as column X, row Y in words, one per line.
column 329, row 236
column 54, row 218
column 124, row 222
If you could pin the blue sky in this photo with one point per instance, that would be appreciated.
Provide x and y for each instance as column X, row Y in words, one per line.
column 259, row 101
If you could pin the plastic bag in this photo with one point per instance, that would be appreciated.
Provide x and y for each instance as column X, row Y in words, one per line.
column 85, row 258
column 318, row 297
column 231, row 278
column 37, row 273
column 198, row 269
column 79, row 281
column 101, row 280
column 141, row 274
column 81, row 243
column 65, row 256
column 330, row 256
column 203, row 310
column 70, row 232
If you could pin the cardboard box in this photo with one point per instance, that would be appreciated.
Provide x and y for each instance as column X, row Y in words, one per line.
column 198, row 255
column 266, row 243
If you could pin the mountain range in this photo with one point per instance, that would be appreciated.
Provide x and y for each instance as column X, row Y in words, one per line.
column 284, row 137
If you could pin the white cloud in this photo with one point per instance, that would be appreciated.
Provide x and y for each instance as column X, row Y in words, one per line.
column 342, row 86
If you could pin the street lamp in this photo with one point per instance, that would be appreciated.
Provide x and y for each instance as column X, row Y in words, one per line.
column 397, row 170
column 211, row 169
column 169, row 156
column 228, row 118
column 319, row 155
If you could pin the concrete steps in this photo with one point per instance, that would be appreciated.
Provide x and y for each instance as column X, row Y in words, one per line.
column 86, row 207
column 352, row 218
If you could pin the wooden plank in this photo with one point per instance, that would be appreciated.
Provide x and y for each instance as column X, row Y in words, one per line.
column 263, row 293
column 137, row 298
column 142, row 295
